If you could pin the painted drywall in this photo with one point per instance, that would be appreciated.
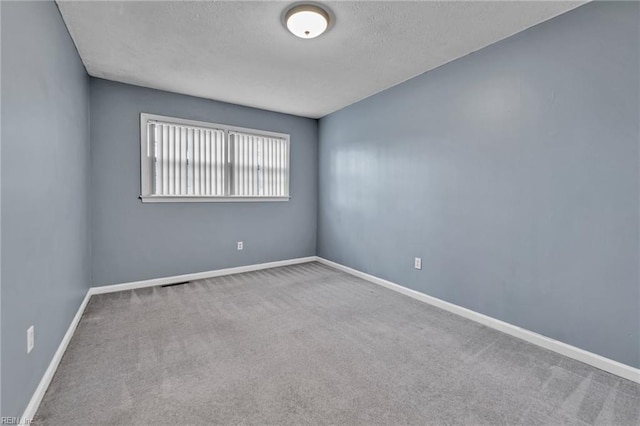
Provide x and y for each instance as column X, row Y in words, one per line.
column 512, row 173
column 45, row 192
column 133, row 241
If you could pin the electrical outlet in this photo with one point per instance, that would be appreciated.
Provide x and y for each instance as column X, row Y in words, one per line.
column 240, row 245
column 30, row 339
column 417, row 263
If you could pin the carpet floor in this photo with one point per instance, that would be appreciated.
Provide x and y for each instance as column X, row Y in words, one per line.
column 308, row 344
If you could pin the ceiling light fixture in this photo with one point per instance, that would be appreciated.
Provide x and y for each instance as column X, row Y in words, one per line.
column 307, row 20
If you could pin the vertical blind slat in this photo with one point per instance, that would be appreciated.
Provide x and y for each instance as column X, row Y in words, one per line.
column 196, row 162
column 241, row 165
column 207, row 167
column 165, row 159
column 246, row 166
column 190, row 161
column 274, row 166
column 252, row 166
column 267, row 167
column 281, row 168
column 176, row 160
column 245, row 179
column 256, row 167
column 170, row 149
column 237, row 170
column 277, row 166
column 181, row 159
column 218, row 158
column 220, row 165
column 213, row 142
column 203, row 162
column 223, row 165
column 286, row 172
column 271, row 168
column 158, row 156
column 214, row 163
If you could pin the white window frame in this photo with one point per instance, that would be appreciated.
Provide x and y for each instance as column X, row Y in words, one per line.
column 146, row 160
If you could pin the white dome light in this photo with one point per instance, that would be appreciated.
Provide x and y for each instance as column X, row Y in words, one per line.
column 307, row 21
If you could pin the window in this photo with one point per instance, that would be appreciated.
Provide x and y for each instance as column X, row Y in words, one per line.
column 184, row 160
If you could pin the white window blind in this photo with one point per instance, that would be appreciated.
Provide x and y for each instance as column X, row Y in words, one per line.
column 260, row 165
column 185, row 160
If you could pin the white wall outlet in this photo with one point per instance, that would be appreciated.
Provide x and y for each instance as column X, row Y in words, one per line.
column 30, row 339
column 417, row 263
column 240, row 245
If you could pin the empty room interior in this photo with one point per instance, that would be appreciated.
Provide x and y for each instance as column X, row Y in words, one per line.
column 320, row 212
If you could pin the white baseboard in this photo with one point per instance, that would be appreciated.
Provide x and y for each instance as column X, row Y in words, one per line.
column 34, row 403
column 606, row 364
column 197, row 276
column 36, row 399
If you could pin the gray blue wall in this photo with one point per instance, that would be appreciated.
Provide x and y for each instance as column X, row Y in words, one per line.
column 45, row 192
column 512, row 173
column 135, row 241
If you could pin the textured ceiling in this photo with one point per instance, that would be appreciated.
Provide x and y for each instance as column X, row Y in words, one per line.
column 239, row 52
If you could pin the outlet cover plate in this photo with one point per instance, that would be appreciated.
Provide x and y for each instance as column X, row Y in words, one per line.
column 30, row 339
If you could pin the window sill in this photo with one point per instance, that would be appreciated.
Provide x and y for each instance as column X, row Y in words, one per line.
column 198, row 199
